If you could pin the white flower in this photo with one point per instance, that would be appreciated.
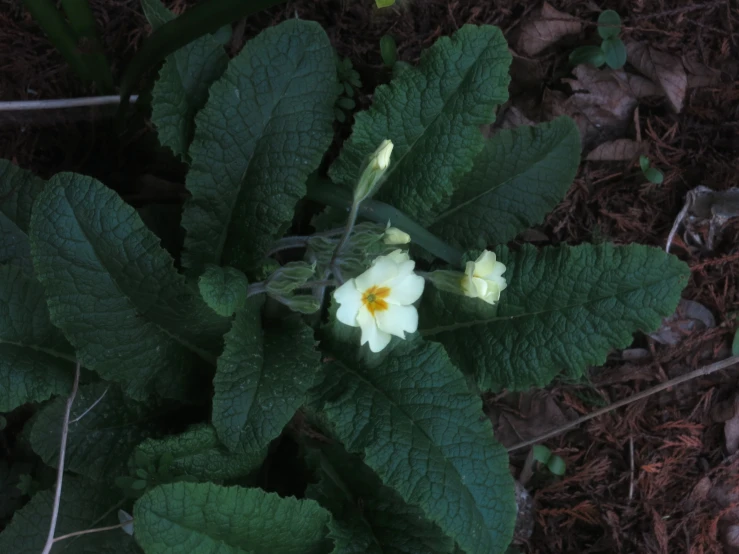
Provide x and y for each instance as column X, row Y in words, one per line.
column 484, row 278
column 381, row 157
column 394, row 236
column 380, row 301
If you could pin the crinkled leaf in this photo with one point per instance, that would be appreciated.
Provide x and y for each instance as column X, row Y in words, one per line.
column 83, row 505
column 36, row 361
column 410, row 414
column 182, row 87
column 205, row 518
column 432, row 114
column 368, row 517
column 224, row 289
column 563, row 310
column 265, row 128
column 116, row 294
column 99, row 442
column 518, row 178
column 18, row 190
column 261, row 380
column 198, row 453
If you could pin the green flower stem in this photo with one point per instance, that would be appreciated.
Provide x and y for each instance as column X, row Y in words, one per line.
column 301, row 241
column 261, row 287
column 60, row 34
column 331, row 195
column 351, row 220
column 205, row 17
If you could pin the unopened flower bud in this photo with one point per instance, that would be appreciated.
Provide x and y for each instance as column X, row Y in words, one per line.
column 372, row 174
column 394, row 236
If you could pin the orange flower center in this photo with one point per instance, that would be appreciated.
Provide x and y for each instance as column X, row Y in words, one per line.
column 373, row 299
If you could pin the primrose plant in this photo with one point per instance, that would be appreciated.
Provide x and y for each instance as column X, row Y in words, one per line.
column 259, row 390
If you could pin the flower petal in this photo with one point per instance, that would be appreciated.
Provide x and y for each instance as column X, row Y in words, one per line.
column 481, row 287
column 485, row 264
column 350, row 302
column 398, row 320
column 383, row 269
column 405, row 290
column 398, row 256
column 376, row 338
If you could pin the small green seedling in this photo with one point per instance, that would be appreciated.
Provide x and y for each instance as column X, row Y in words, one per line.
column 348, row 81
column 652, row 174
column 735, row 344
column 611, row 51
column 388, row 51
column 384, row 3
column 554, row 463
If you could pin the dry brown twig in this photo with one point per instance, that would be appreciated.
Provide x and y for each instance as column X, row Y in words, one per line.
column 701, row 372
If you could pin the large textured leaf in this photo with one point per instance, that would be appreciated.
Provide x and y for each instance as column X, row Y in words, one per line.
column 518, row 178
column 563, row 310
column 224, row 289
column 264, row 129
column 209, row 519
column 182, row 87
column 100, row 441
column 18, row 190
column 261, row 380
column 368, row 517
column 198, row 453
column 115, row 293
column 411, row 416
column 432, row 114
column 36, row 361
column 84, row 505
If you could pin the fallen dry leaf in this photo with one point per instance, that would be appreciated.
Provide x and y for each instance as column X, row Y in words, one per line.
column 602, row 103
column 662, row 68
column 615, row 150
column 513, row 118
column 525, row 416
column 703, row 205
column 546, row 28
column 731, row 430
column 689, row 317
column 699, row 74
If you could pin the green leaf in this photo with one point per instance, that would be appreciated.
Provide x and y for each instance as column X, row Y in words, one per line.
column 735, row 344
column 519, row 177
column 83, row 505
column 182, row 87
column 609, row 24
column 384, row 3
column 261, row 380
column 36, row 361
column 557, row 465
column 564, row 309
column 644, row 162
column 18, row 191
column 101, row 440
column 368, row 517
column 265, row 128
column 432, row 114
column 203, row 517
column 654, row 175
column 116, row 294
column 614, row 51
column 388, row 50
column 198, row 453
column 542, row 454
column 410, row 414
column 588, row 54
column 224, row 289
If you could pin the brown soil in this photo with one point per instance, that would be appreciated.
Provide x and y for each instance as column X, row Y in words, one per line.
column 652, row 477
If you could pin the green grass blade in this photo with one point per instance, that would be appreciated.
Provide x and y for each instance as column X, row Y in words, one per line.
column 60, row 34
column 84, row 27
column 206, row 17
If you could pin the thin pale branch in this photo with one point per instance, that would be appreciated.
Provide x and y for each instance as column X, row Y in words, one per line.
column 60, row 471
column 89, row 531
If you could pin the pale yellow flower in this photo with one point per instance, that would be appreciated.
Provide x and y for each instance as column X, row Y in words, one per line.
column 394, row 236
column 484, row 278
column 381, row 157
column 380, row 300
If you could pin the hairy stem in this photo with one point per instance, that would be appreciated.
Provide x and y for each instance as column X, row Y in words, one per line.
column 301, row 241
column 60, row 470
column 96, row 530
column 327, row 193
